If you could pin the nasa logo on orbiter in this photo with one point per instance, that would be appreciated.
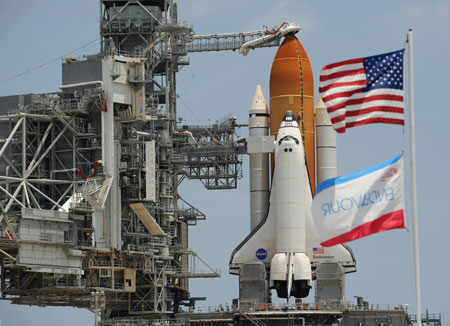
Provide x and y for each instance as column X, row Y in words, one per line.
column 261, row 253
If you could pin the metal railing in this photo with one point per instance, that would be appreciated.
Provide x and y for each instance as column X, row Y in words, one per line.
column 63, row 283
column 303, row 306
column 229, row 41
column 127, row 321
column 427, row 319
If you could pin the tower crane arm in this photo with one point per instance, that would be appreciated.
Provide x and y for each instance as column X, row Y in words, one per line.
column 242, row 41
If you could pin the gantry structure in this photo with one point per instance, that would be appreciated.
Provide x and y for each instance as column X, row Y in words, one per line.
column 89, row 176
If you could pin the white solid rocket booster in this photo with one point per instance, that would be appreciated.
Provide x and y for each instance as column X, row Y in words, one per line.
column 325, row 144
column 258, row 125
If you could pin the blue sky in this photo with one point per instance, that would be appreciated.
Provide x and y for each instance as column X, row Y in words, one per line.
column 37, row 32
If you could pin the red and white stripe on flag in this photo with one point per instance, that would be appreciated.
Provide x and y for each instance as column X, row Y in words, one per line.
column 356, row 205
column 364, row 90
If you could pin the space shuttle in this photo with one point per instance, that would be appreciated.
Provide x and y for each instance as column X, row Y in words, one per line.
column 286, row 240
column 283, row 238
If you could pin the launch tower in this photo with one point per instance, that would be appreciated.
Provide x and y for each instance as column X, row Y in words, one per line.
column 89, row 176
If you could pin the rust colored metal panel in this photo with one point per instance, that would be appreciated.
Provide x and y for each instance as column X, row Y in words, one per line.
column 292, row 88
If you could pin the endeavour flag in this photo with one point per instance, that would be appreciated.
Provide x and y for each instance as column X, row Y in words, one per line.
column 356, row 205
column 365, row 90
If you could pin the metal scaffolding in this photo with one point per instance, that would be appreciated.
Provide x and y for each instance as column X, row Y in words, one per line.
column 229, row 41
column 89, row 176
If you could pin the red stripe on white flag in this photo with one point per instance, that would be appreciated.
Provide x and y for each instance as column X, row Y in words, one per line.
column 376, row 106
column 394, row 220
column 342, row 63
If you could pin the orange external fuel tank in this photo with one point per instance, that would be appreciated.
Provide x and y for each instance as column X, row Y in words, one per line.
column 292, row 88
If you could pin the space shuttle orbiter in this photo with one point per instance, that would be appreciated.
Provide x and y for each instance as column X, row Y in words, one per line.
column 286, row 240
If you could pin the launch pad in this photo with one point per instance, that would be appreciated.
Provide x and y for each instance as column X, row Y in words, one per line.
column 285, row 314
column 91, row 215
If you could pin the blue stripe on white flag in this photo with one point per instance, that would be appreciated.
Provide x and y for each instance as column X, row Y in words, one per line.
column 349, row 177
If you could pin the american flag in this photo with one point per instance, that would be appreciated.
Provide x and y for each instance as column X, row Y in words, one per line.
column 364, row 90
column 318, row 250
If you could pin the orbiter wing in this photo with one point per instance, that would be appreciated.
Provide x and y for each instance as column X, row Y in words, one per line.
column 259, row 245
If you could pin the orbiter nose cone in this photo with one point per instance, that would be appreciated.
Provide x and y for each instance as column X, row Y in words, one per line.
column 259, row 104
column 289, row 116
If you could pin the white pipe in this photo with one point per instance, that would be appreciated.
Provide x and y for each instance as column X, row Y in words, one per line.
column 246, row 47
column 12, row 197
column 7, row 174
column 41, row 144
column 60, row 171
column 43, row 195
column 36, row 180
column 289, row 28
column 29, row 171
column 11, row 135
column 8, row 255
column 10, row 202
column 81, row 84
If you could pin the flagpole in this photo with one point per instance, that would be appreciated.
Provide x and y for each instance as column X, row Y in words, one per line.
column 412, row 148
